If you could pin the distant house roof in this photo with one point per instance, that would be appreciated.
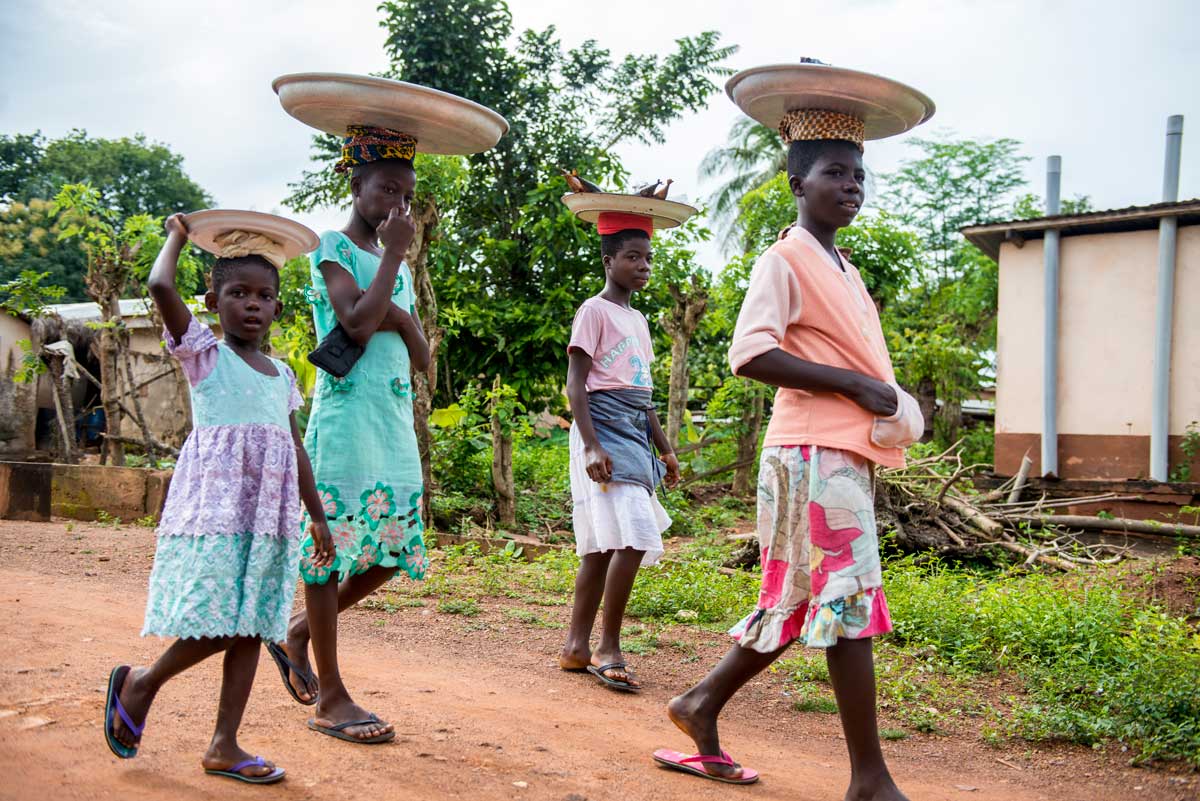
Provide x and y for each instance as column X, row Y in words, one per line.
column 135, row 311
column 1134, row 218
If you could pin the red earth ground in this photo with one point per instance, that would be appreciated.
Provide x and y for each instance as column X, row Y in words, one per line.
column 481, row 709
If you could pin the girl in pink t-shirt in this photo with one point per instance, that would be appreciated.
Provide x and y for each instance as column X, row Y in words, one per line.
column 618, row 520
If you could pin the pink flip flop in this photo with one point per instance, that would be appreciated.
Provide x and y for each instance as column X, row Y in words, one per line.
column 689, row 764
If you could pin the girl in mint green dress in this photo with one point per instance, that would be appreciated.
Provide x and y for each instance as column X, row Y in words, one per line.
column 360, row 433
column 361, row 437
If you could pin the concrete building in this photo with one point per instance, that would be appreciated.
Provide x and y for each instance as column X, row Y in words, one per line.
column 1108, row 311
column 159, row 384
column 18, row 402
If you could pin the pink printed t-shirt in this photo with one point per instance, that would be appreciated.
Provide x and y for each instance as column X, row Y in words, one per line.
column 618, row 340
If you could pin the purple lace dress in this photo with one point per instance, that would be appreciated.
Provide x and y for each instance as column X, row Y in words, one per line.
column 228, row 544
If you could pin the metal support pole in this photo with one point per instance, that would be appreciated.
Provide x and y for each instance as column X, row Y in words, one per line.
column 1164, row 308
column 1050, row 334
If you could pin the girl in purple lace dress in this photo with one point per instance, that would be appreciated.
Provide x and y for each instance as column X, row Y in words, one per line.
column 228, row 550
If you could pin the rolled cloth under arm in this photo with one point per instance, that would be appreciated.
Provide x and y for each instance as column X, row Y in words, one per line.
column 622, row 423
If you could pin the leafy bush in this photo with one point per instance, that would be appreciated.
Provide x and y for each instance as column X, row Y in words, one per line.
column 1097, row 664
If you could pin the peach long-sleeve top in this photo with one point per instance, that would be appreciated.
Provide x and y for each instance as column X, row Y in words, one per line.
column 802, row 301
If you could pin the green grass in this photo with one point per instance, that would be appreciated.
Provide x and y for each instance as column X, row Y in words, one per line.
column 532, row 619
column 822, row 704
column 455, row 606
column 804, row 667
column 893, row 734
column 1083, row 659
column 1097, row 663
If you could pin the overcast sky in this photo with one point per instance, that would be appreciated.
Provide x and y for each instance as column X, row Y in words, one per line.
column 1090, row 80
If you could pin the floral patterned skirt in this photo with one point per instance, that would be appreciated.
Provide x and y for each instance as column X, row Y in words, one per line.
column 821, row 575
column 222, row 585
column 383, row 532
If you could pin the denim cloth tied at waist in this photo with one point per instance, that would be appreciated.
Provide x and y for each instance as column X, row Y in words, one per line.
column 622, row 423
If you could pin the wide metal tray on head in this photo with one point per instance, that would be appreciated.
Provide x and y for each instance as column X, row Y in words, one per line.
column 886, row 107
column 442, row 123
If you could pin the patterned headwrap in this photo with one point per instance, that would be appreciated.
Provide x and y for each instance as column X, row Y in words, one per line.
column 802, row 125
column 365, row 144
column 236, row 244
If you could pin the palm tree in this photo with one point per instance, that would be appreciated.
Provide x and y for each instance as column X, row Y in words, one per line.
column 754, row 155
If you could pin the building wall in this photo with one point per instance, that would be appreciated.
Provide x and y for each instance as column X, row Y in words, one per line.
column 18, row 405
column 1106, row 349
column 164, row 400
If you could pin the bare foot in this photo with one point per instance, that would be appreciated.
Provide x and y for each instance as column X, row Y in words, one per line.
column 222, row 756
column 135, row 698
column 296, row 649
column 685, row 713
column 332, row 712
column 575, row 657
column 616, row 674
column 876, row 788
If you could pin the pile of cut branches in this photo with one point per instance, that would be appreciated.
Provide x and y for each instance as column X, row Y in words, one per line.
column 932, row 506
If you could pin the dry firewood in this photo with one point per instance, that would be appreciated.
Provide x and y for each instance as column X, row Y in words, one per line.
column 1117, row 524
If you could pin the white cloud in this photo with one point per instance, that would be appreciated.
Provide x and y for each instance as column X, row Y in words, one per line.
column 1091, row 81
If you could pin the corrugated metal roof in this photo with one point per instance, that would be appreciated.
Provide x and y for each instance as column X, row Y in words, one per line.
column 988, row 237
column 136, row 311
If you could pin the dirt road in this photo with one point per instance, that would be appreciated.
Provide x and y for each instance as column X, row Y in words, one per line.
column 481, row 710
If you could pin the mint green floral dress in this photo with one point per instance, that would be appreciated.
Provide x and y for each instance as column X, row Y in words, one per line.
column 360, row 437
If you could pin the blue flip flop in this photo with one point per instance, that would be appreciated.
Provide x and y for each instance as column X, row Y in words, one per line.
column 112, row 707
column 235, row 772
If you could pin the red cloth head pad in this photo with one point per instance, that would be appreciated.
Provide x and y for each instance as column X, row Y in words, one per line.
column 610, row 222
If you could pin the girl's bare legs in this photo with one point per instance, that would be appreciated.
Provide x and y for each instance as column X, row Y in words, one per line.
column 241, row 662
column 350, row 592
column 142, row 684
column 618, row 584
column 852, row 673
column 323, row 602
column 696, row 711
column 589, row 589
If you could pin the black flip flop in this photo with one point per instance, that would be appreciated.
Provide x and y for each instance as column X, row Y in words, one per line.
column 338, row 731
column 285, row 666
column 235, row 772
column 615, row 684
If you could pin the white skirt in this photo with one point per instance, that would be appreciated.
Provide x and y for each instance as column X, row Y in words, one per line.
column 613, row 516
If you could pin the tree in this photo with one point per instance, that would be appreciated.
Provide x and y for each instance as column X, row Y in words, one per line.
column 955, row 183
column 520, row 264
column 1030, row 206
column 942, row 330
column 131, row 176
column 116, row 250
column 679, row 292
column 29, row 242
column 514, row 264
column 20, row 156
column 753, row 156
